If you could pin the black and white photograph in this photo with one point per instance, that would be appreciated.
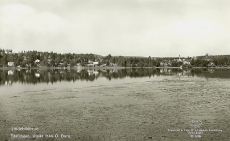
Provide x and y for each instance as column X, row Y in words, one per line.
column 114, row 70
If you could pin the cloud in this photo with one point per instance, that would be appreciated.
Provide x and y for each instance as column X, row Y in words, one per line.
column 125, row 27
column 16, row 13
column 25, row 28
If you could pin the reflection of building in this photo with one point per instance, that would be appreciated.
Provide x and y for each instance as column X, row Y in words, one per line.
column 91, row 72
column 113, row 71
column 161, row 70
column 8, row 82
column 113, row 64
column 211, row 70
column 10, row 72
column 79, row 70
column 28, row 71
column 37, row 75
column 103, row 65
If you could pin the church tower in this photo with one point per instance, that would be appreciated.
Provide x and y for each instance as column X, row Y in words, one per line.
column 179, row 59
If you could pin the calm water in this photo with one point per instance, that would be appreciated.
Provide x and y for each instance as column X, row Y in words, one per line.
column 33, row 79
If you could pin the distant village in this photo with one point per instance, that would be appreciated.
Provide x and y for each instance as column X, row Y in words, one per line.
column 30, row 59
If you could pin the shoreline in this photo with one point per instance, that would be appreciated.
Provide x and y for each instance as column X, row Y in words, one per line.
column 7, row 68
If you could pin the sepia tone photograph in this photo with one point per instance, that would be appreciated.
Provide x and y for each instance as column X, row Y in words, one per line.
column 114, row 70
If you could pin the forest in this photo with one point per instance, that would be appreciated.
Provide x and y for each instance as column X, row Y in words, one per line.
column 52, row 59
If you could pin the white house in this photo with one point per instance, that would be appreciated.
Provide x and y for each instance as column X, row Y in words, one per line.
column 10, row 64
column 92, row 64
column 95, row 63
column 211, row 64
column 37, row 61
column 186, row 63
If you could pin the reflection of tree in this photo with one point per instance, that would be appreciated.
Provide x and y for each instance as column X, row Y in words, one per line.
column 34, row 76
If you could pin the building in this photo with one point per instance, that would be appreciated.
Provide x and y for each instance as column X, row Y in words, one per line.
column 95, row 64
column 10, row 64
column 178, row 60
column 211, row 64
column 8, row 51
column 37, row 61
column 186, row 63
column 92, row 64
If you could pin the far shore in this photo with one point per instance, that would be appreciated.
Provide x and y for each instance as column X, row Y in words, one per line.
column 7, row 68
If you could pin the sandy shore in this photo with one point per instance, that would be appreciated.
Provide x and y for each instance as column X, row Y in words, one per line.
column 127, row 112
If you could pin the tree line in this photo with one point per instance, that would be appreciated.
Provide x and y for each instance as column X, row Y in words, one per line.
column 52, row 59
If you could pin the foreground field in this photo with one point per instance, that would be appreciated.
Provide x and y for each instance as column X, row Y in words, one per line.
column 133, row 111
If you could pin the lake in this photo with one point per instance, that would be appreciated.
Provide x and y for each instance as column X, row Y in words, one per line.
column 115, row 104
column 35, row 79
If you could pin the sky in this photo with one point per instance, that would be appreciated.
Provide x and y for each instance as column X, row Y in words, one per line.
column 156, row 28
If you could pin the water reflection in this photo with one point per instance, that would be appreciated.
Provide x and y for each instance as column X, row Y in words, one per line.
column 34, row 76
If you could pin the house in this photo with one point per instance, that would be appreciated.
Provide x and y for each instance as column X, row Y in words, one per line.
column 211, row 64
column 10, row 64
column 60, row 64
column 95, row 63
column 161, row 64
column 28, row 65
column 8, row 51
column 169, row 64
column 164, row 64
column 92, row 64
column 186, row 63
column 194, row 58
column 37, row 61
column 89, row 65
